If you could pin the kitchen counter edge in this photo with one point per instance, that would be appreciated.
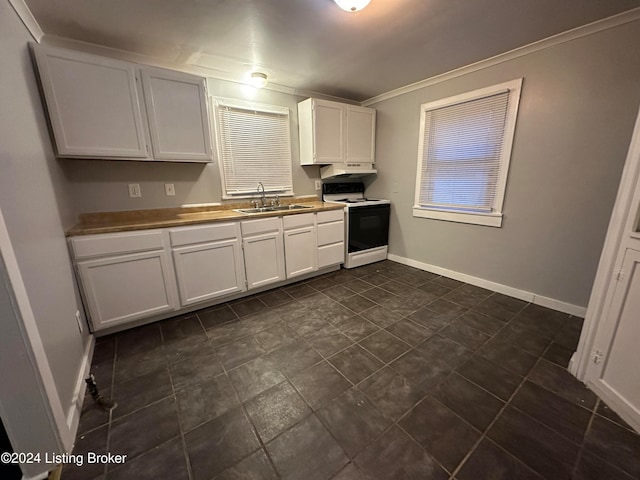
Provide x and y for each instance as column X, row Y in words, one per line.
column 126, row 221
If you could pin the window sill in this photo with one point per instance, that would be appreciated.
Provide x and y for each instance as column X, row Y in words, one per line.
column 485, row 219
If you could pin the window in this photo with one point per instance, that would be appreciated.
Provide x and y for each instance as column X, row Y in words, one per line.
column 463, row 155
column 254, row 145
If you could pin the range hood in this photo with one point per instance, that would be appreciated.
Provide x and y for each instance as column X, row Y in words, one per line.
column 347, row 170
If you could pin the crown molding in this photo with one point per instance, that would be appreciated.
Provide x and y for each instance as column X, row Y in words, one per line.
column 558, row 39
column 28, row 19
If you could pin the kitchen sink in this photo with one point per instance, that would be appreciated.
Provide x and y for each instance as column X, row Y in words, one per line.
column 279, row 208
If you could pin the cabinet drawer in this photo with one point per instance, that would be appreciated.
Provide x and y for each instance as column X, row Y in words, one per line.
column 113, row 243
column 205, row 233
column 299, row 220
column 263, row 225
column 330, row 233
column 330, row 254
column 330, row 216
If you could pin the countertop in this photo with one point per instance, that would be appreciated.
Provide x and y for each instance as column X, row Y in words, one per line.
column 125, row 221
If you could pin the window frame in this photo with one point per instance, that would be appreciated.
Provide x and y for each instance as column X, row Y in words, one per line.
column 493, row 218
column 218, row 102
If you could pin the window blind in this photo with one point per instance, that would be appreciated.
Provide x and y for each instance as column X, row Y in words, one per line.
column 254, row 146
column 462, row 154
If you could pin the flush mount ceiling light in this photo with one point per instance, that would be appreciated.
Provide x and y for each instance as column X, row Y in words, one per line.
column 352, row 5
column 258, row 79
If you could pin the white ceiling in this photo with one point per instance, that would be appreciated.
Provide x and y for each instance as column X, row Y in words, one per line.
column 312, row 44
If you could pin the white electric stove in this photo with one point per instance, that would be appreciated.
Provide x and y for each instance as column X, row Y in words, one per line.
column 366, row 223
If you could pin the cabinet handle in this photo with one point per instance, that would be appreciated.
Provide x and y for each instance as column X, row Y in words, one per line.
column 291, row 234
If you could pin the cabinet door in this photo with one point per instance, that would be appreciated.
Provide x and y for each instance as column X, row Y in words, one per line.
column 361, row 134
column 178, row 115
column 127, row 287
column 93, row 104
column 264, row 259
column 616, row 355
column 209, row 271
column 300, row 251
column 328, row 131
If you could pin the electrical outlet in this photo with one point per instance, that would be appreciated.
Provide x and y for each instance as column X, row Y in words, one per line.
column 134, row 190
column 318, row 184
column 170, row 189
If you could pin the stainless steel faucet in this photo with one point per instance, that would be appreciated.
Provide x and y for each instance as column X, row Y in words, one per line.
column 263, row 198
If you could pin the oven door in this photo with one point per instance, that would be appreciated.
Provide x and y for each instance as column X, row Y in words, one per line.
column 368, row 227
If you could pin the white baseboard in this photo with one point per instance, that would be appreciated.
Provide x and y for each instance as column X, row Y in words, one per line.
column 531, row 297
column 573, row 364
column 73, row 415
column 618, row 404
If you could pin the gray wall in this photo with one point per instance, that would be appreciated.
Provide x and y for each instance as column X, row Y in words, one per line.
column 101, row 185
column 578, row 106
column 35, row 207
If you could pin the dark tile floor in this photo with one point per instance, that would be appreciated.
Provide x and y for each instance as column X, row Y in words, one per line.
column 382, row 372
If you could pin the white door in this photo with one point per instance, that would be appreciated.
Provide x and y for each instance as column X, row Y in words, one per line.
column 209, row 270
column 178, row 115
column 264, row 259
column 300, row 251
column 127, row 287
column 93, row 104
column 329, row 130
column 361, row 134
column 613, row 372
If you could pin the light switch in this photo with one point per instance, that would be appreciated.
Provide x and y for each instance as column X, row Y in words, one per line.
column 169, row 189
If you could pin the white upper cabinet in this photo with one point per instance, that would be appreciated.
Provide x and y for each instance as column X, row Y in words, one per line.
column 93, row 104
column 332, row 132
column 99, row 108
column 361, row 138
column 178, row 116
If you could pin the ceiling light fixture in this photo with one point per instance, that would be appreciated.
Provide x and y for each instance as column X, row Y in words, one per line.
column 352, row 5
column 258, row 79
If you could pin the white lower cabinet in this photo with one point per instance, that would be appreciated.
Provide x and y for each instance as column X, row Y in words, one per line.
column 208, row 261
column 153, row 273
column 331, row 249
column 300, row 252
column 263, row 250
column 124, row 277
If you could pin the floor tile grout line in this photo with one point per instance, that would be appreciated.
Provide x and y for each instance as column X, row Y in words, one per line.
column 353, row 343
column 263, row 445
column 508, row 403
column 113, row 385
column 584, row 439
column 183, row 440
column 393, row 422
column 488, row 428
column 422, row 399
